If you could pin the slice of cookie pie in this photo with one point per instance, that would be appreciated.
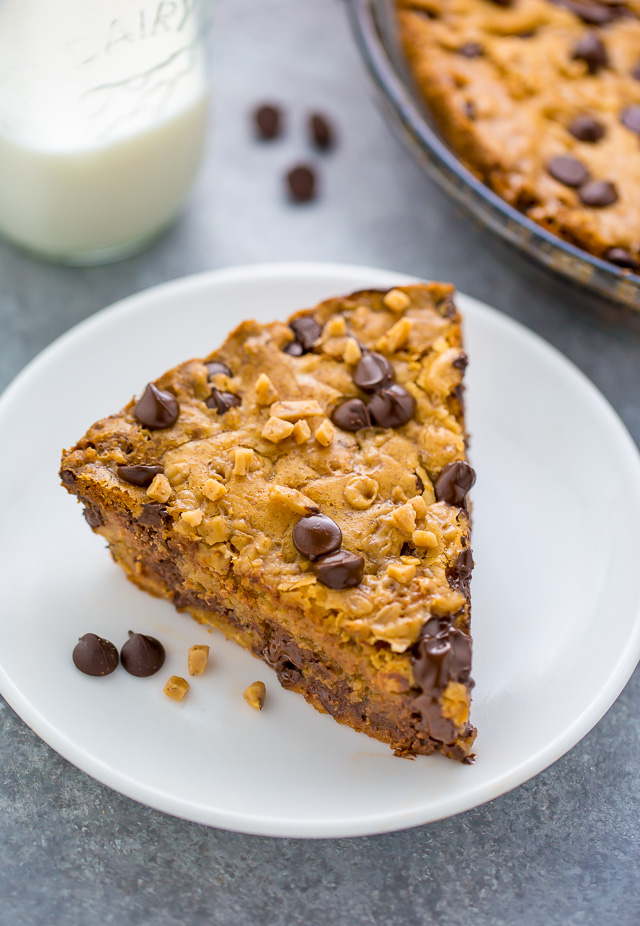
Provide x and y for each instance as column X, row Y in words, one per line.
column 304, row 490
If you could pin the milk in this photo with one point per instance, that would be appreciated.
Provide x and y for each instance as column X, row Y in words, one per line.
column 102, row 121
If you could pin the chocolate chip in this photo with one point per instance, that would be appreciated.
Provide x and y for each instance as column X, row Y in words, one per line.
column 316, row 535
column 471, row 50
column 142, row 655
column 372, row 372
column 392, row 407
column 93, row 516
column 322, row 134
column 268, row 121
column 461, row 362
column 441, row 658
column 153, row 515
column 568, row 170
column 68, row 477
column 351, row 415
column 94, row 655
column 215, row 366
column 586, row 128
column 301, row 182
column 636, row 72
column 294, row 348
column 156, row 409
column 621, row 258
column 598, row 194
column 631, row 118
column 141, row 474
column 592, row 13
column 459, row 575
column 340, row 570
column 222, row 401
column 590, row 49
column 307, row 331
column 453, row 483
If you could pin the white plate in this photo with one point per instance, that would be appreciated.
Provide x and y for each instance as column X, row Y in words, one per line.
column 556, row 591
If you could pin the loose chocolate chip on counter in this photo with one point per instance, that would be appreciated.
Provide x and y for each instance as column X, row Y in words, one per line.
column 351, row 415
column 590, row 49
column 631, row 118
column 621, row 258
column 140, row 475
column 222, row 401
column 153, row 515
column 215, row 366
column 586, row 128
column 93, row 516
column 568, row 170
column 294, row 348
column 471, row 50
column 598, row 194
column 94, row 655
column 316, row 535
column 340, row 570
column 156, row 409
column 454, row 482
column 307, row 331
column 142, row 655
column 392, row 407
column 321, row 131
column 301, row 183
column 372, row 372
column 268, row 121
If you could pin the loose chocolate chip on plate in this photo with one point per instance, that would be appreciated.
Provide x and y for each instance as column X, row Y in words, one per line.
column 307, row 331
column 392, row 407
column 471, row 50
column 340, row 570
column 268, row 121
column 372, row 372
column 316, row 535
column 631, row 118
column 453, row 483
column 94, row 655
column 590, row 49
column 351, row 415
column 156, row 409
column 142, row 655
column 598, row 194
column 215, row 366
column 586, row 128
column 222, row 401
column 621, row 258
column 321, row 131
column 140, row 474
column 301, row 183
column 568, row 170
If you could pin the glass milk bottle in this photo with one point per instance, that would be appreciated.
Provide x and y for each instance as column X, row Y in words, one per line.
column 103, row 108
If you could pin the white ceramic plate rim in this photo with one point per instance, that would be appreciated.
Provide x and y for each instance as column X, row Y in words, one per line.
column 377, row 822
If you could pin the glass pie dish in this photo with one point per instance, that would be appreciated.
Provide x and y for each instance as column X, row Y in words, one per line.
column 373, row 23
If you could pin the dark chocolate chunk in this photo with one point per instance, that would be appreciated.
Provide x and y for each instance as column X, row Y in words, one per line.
column 461, row 362
column 294, row 348
column 590, row 49
column 301, row 183
column 598, row 194
column 591, row 12
column 268, row 121
column 316, row 535
column 283, row 655
column 94, row 655
column 307, row 331
column 392, row 407
column 459, row 575
column 141, row 474
column 351, row 415
column 222, row 401
column 93, row 516
column 215, row 366
column 142, row 655
column 621, row 258
column 454, row 482
column 373, row 371
column 568, row 170
column 321, row 131
column 153, row 515
column 471, row 50
column 631, row 118
column 68, row 477
column 586, row 128
column 441, row 655
column 340, row 570
column 156, row 409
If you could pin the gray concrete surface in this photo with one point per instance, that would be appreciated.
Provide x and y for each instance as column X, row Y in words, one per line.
column 562, row 849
